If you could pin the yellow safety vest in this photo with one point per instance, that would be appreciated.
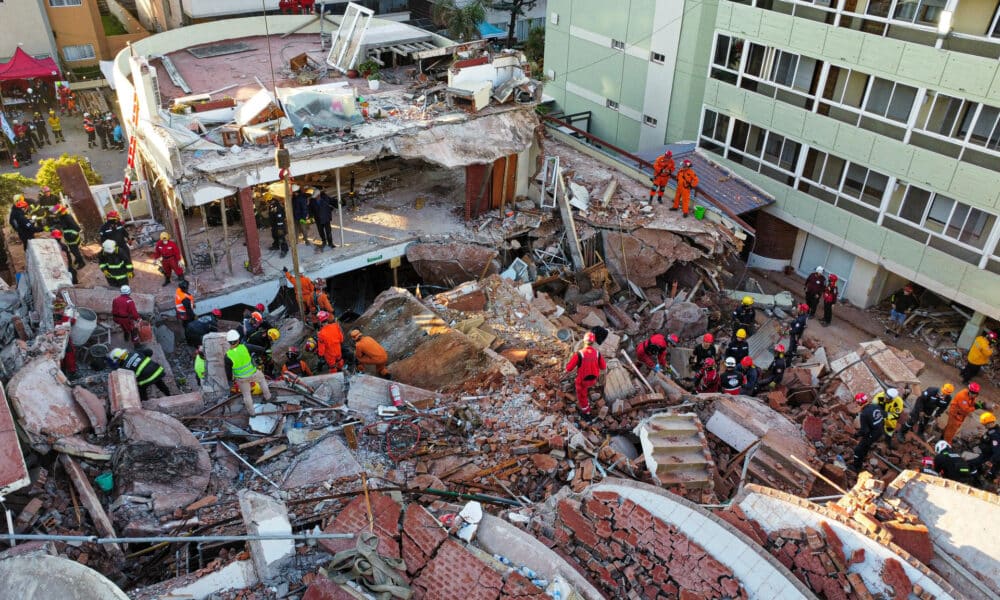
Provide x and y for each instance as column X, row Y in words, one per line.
column 243, row 366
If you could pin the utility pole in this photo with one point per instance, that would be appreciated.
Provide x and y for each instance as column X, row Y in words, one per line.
column 283, row 161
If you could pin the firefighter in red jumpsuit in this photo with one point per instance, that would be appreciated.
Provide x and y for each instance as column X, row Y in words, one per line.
column 653, row 352
column 170, row 257
column 125, row 314
column 588, row 363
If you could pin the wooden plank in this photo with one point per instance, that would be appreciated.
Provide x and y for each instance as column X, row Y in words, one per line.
column 572, row 239
column 93, row 505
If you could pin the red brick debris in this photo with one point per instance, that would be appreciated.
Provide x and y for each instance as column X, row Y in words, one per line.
column 626, row 552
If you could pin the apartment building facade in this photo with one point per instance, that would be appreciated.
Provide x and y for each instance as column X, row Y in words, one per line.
column 24, row 24
column 874, row 124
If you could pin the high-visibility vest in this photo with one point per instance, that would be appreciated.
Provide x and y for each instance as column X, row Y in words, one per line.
column 243, row 366
column 199, row 367
column 179, row 298
column 141, row 368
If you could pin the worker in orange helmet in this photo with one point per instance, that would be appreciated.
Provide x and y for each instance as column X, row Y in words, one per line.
column 663, row 169
column 687, row 182
column 368, row 352
column 703, row 351
column 588, row 364
column 962, row 405
column 330, row 338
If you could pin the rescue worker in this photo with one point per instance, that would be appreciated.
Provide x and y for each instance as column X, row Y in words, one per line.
column 928, row 406
column 738, row 346
column 309, row 356
column 169, row 255
column 294, row 363
column 653, row 351
column 687, row 182
column 892, row 404
column 663, row 169
column 321, row 210
column 300, row 214
column 260, row 344
column 241, row 370
column 56, row 126
column 588, row 364
column 19, row 221
column 979, row 355
column 964, row 404
column 330, row 339
column 902, row 303
column 796, row 329
column 814, row 286
column 114, row 229
column 63, row 221
column 731, row 380
column 41, row 132
column 320, row 300
column 183, row 303
column 47, row 198
column 775, row 372
column 751, row 375
column 147, row 371
column 252, row 322
column 830, row 295
column 989, row 448
column 88, row 126
column 279, row 227
column 703, row 351
column 200, row 366
column 195, row 330
column 707, row 378
column 101, row 129
column 871, row 431
column 305, row 288
column 58, row 237
column 950, row 465
column 116, row 267
column 125, row 314
column 745, row 316
column 368, row 352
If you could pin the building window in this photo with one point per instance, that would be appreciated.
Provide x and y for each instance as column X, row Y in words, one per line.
column 81, row 52
column 648, row 120
column 657, row 57
column 943, row 216
column 923, row 12
column 846, row 185
column 611, row 104
column 763, row 151
column 994, row 30
column 618, row 44
column 890, row 100
column 59, row 3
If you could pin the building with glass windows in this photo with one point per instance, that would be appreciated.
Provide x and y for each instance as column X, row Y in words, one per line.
column 874, row 125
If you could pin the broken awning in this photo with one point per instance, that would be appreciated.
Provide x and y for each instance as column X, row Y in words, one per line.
column 488, row 31
column 726, row 187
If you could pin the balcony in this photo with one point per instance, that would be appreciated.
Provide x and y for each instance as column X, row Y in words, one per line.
column 974, row 28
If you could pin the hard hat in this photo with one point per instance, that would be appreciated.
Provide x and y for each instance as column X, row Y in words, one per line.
column 292, row 351
column 987, row 418
column 57, row 234
column 673, row 339
column 257, row 317
column 126, row 289
column 747, row 361
column 668, row 154
column 164, row 236
column 709, row 362
column 927, row 462
column 730, row 361
column 908, row 287
column 109, row 246
column 58, row 209
column 803, row 307
column 216, row 313
column 991, row 336
column 741, row 334
column 322, row 316
column 941, row 446
column 947, row 388
column 274, row 334
column 590, row 338
column 232, row 336
column 780, row 348
column 118, row 354
column 973, row 388
column 355, row 334
column 833, row 278
column 861, row 399
column 310, row 345
column 52, row 111
column 113, row 215
column 86, row 114
column 686, row 163
column 20, row 202
column 819, row 270
column 708, row 338
column 319, row 282
column 38, row 114
column 747, row 301
column 183, row 284
column 892, row 393
column 260, row 307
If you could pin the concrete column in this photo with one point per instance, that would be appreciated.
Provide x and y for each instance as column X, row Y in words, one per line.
column 263, row 515
column 215, row 387
column 972, row 328
column 47, row 274
column 250, row 228
column 123, row 391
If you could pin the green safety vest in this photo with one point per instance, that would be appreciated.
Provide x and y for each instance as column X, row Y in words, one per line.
column 243, row 366
column 199, row 367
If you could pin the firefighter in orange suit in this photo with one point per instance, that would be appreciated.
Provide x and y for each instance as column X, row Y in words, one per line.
column 663, row 168
column 686, row 182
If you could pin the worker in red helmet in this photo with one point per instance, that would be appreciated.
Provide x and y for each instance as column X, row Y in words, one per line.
column 20, row 222
column 663, row 170
column 588, row 364
column 653, row 351
column 706, row 380
column 751, row 376
column 775, row 372
column 830, row 295
column 113, row 229
column 871, row 431
column 687, row 183
column 965, row 402
column 796, row 329
column 979, row 355
column 706, row 349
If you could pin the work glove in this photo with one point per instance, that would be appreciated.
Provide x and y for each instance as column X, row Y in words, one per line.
column 658, row 368
column 303, row 221
column 130, row 276
column 106, row 273
column 772, row 385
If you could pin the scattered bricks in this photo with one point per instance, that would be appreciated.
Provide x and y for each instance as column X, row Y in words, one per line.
column 786, row 555
column 579, row 525
column 730, row 586
column 526, row 449
column 354, row 518
column 602, row 574
column 824, row 559
column 894, row 576
column 640, row 519
column 834, row 545
column 792, row 534
column 808, row 562
column 29, row 514
column 915, row 539
column 813, row 427
column 456, row 573
column 324, row 589
column 815, row 582
column 858, row 588
column 689, row 595
column 833, row 589
column 871, row 525
column 545, row 463
column 518, row 586
column 777, row 400
column 813, row 539
column 198, row 504
column 858, row 556
column 587, row 470
column 422, row 534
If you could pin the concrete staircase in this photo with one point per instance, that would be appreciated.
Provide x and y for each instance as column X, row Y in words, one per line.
column 676, row 450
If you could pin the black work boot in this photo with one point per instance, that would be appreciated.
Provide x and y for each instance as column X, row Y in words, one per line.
column 166, row 282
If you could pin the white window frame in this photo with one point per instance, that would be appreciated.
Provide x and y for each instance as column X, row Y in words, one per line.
column 93, row 52
column 617, row 45
column 943, row 234
column 759, row 158
column 649, row 121
column 872, row 81
column 657, row 57
column 65, row 4
column 840, row 193
column 994, row 29
column 955, row 136
column 609, row 103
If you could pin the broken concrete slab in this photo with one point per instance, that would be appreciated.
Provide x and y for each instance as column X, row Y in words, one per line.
column 467, row 297
column 237, row 575
column 123, row 391
column 686, row 319
column 95, row 408
column 676, row 450
column 47, row 275
column 13, row 470
column 180, row 405
column 92, row 503
column 161, row 459
column 215, row 386
column 885, row 360
column 328, row 460
column 99, row 300
column 367, row 393
column 452, row 263
column 44, row 577
column 44, row 404
column 647, row 253
column 77, row 446
column 263, row 515
column 855, row 374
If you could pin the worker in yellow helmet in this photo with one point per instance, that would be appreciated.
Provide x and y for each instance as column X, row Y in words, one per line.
column 745, row 316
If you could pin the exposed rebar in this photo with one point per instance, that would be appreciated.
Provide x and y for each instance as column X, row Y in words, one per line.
column 174, row 538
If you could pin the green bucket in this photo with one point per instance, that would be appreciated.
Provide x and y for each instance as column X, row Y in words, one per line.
column 699, row 212
column 105, row 481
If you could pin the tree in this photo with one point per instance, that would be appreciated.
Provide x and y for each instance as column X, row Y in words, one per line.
column 11, row 184
column 462, row 22
column 534, row 48
column 517, row 9
column 48, row 171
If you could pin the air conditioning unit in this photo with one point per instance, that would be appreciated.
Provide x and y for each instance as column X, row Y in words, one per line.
column 554, row 18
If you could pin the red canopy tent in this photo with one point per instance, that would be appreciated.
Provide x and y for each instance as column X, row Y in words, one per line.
column 24, row 66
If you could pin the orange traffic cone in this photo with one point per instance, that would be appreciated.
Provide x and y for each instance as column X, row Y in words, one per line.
column 17, row 163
